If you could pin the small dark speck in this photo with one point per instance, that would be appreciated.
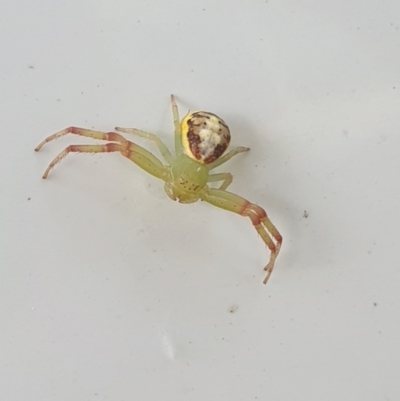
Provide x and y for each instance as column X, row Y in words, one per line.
column 394, row 87
column 305, row 214
column 58, row 100
column 81, row 93
column 233, row 309
column 29, row 199
column 375, row 304
column 31, row 67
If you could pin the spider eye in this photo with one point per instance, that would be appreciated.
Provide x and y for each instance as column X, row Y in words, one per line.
column 205, row 136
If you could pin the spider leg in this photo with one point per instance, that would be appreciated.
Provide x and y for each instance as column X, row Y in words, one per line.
column 234, row 203
column 143, row 134
column 225, row 177
column 177, row 125
column 227, row 157
column 109, row 136
column 140, row 156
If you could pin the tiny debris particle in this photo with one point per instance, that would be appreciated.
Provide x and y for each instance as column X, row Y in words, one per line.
column 233, row 309
column 305, row 214
column 29, row 199
column 375, row 304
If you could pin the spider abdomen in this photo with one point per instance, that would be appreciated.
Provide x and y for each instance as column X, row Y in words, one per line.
column 205, row 136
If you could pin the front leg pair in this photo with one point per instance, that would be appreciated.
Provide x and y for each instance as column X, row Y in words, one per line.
column 234, row 203
column 140, row 156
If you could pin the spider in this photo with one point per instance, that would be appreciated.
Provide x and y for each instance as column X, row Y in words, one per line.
column 201, row 139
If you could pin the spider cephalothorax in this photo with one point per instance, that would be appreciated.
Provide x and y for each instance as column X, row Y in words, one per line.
column 201, row 139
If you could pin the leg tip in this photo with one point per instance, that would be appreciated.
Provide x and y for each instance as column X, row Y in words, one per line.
column 267, row 278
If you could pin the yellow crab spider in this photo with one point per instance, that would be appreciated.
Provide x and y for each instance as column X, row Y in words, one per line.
column 201, row 139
